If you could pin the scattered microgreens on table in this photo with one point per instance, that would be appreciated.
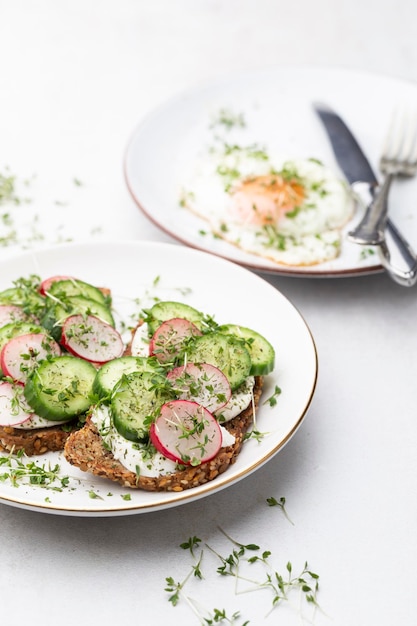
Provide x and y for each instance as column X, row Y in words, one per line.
column 252, row 571
column 20, row 224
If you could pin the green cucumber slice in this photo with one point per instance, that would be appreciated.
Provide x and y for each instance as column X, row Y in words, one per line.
column 57, row 313
column 81, row 304
column 110, row 373
column 136, row 399
column 30, row 300
column 225, row 352
column 62, row 289
column 168, row 310
column 261, row 351
column 61, row 388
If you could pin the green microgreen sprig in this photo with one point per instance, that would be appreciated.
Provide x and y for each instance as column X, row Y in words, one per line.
column 228, row 119
column 236, row 565
column 273, row 398
column 22, row 472
column 281, row 504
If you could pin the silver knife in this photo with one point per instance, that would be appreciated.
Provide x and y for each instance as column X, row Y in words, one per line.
column 364, row 183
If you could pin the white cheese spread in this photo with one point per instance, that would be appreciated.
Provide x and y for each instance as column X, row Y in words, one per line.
column 135, row 456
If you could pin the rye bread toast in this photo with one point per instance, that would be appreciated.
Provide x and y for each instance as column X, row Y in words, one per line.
column 32, row 442
column 84, row 449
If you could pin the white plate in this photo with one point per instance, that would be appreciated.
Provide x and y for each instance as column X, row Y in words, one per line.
column 276, row 104
column 225, row 290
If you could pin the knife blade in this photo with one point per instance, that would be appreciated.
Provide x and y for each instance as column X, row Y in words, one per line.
column 346, row 148
column 360, row 175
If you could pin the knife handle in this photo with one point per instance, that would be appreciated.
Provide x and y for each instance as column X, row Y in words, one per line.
column 408, row 276
column 370, row 230
column 395, row 253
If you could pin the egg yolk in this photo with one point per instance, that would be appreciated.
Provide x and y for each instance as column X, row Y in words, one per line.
column 263, row 200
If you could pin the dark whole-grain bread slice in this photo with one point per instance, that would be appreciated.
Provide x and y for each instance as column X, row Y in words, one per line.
column 85, row 450
column 32, row 442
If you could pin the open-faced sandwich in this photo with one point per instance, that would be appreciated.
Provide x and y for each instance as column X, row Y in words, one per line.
column 46, row 374
column 173, row 411
column 166, row 409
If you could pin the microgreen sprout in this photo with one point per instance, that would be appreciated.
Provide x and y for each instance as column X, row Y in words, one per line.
column 8, row 193
column 228, row 119
column 220, row 616
column 176, row 588
column 272, row 400
column 280, row 503
column 254, row 434
column 19, row 472
column 251, row 568
column 366, row 253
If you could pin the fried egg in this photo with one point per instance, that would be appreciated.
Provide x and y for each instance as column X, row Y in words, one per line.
column 291, row 212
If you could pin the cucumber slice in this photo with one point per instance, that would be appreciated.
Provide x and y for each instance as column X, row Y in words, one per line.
column 30, row 300
column 261, row 351
column 8, row 331
column 168, row 310
column 225, row 352
column 136, row 398
column 62, row 289
column 61, row 388
column 57, row 313
column 110, row 373
column 81, row 304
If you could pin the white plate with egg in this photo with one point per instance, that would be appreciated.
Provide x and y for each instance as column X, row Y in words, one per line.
column 197, row 165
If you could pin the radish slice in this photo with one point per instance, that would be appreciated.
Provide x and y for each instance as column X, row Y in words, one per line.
column 11, row 313
column 20, row 355
column 186, row 432
column 35, row 421
column 203, row 383
column 45, row 284
column 14, row 410
column 92, row 339
column 169, row 338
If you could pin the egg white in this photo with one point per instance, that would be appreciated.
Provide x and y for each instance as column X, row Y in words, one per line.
column 308, row 236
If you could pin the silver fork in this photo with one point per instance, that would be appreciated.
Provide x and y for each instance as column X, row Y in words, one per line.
column 399, row 158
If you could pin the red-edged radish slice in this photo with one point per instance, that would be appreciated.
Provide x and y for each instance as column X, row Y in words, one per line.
column 45, row 284
column 186, row 432
column 169, row 338
column 203, row 383
column 21, row 354
column 92, row 339
column 11, row 313
column 14, row 410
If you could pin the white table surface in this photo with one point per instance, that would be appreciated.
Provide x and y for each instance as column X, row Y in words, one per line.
column 76, row 78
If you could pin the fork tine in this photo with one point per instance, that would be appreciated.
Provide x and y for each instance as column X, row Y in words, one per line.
column 413, row 147
column 401, row 140
column 393, row 137
column 398, row 158
column 408, row 147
